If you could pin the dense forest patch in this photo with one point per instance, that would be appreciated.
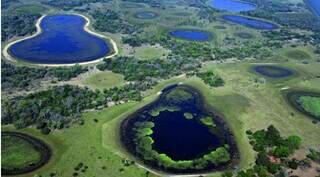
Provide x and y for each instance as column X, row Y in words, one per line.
column 274, row 153
column 16, row 77
column 18, row 24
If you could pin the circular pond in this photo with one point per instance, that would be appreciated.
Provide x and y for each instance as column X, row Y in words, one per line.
column 243, row 35
column 177, row 134
column 250, row 22
column 21, row 153
column 306, row 102
column 192, row 35
column 145, row 15
column 62, row 40
column 232, row 5
column 273, row 71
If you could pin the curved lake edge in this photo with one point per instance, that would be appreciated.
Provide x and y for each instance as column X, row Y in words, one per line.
column 295, row 74
column 43, row 147
column 136, row 15
column 113, row 46
column 211, row 35
column 230, row 138
column 275, row 25
column 209, row 3
column 312, row 9
column 291, row 97
column 289, row 73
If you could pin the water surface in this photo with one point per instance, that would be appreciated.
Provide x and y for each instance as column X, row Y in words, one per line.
column 232, row 5
column 315, row 6
column 273, row 71
column 192, row 35
column 250, row 22
column 175, row 135
column 62, row 41
column 146, row 15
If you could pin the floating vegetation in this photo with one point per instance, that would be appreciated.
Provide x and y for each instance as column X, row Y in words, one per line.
column 177, row 134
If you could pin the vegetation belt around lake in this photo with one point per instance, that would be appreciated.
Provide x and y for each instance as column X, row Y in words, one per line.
column 306, row 102
column 22, row 153
column 144, row 147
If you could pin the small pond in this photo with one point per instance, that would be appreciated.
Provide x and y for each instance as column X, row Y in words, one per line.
column 192, row 35
column 63, row 40
column 22, row 153
column 176, row 133
column 273, row 71
column 232, row 5
column 145, row 15
column 250, row 22
column 305, row 102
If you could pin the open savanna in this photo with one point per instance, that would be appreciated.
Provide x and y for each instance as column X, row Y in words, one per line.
column 244, row 104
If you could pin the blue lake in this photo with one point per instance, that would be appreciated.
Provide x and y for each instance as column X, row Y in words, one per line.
column 273, row 71
column 62, row 40
column 192, row 35
column 315, row 6
column 146, row 15
column 250, row 22
column 173, row 133
column 232, row 5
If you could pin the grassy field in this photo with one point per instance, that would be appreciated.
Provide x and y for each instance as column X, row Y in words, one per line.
column 311, row 104
column 150, row 52
column 244, row 103
column 104, row 80
column 17, row 153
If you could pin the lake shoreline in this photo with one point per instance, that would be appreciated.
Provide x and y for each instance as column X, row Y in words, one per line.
column 113, row 52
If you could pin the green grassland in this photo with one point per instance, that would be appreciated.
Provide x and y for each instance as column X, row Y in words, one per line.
column 311, row 104
column 244, row 103
column 150, row 52
column 17, row 153
column 104, row 80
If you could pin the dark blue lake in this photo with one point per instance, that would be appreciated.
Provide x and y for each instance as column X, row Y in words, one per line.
column 250, row 22
column 273, row 71
column 315, row 6
column 192, row 35
column 175, row 125
column 232, row 5
column 146, row 15
column 62, row 41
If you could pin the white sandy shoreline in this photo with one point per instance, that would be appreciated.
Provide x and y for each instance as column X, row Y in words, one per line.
column 113, row 45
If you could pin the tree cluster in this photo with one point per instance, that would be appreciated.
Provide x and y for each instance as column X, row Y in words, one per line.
column 60, row 105
column 211, row 79
column 110, row 21
column 13, row 76
column 18, row 24
column 70, row 4
column 273, row 156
